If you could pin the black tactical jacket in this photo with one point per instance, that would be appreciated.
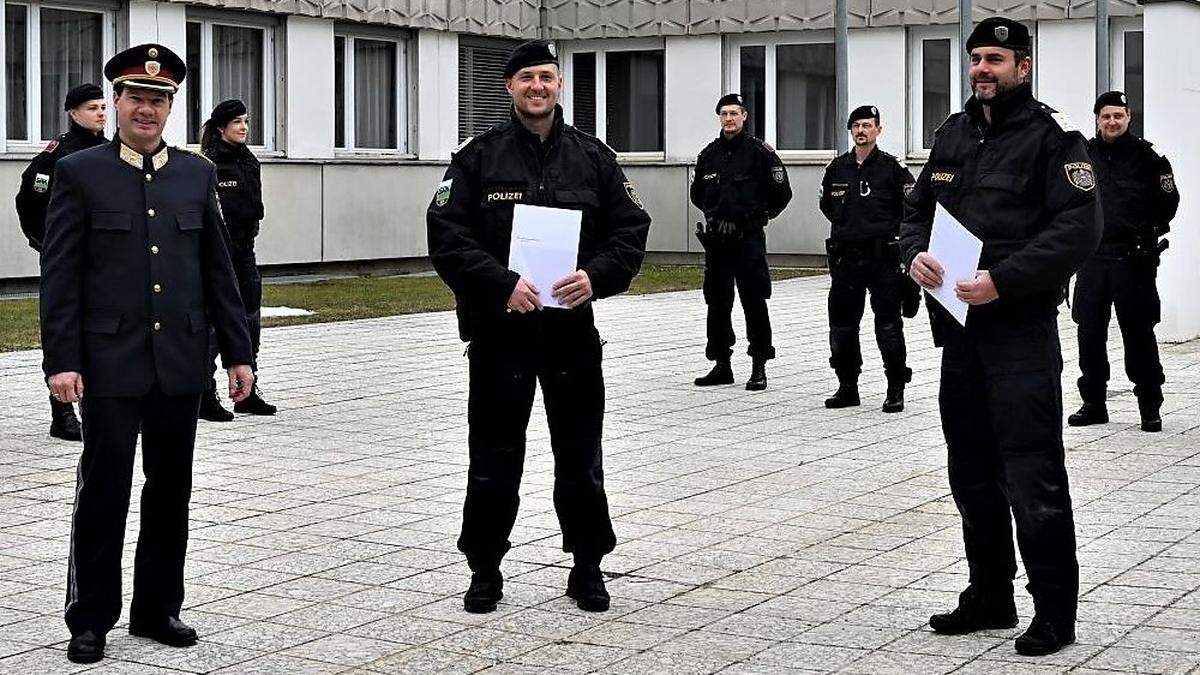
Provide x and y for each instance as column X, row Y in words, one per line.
column 1137, row 188
column 239, row 186
column 1024, row 185
column 469, row 221
column 740, row 179
column 38, row 179
column 865, row 202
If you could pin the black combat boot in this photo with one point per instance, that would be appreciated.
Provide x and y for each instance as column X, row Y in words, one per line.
column 585, row 585
column 63, row 423
column 894, row 401
column 485, row 592
column 1151, row 420
column 1089, row 414
column 87, row 647
column 977, row 610
column 758, row 376
column 846, row 395
column 210, row 406
column 721, row 373
column 254, row 404
column 1046, row 635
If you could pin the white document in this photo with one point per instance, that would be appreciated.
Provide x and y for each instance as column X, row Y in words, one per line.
column 957, row 251
column 545, row 246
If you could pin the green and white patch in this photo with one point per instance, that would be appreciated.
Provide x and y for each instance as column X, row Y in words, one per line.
column 41, row 182
column 442, row 195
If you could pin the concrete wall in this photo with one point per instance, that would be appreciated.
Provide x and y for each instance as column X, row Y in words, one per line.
column 1068, row 90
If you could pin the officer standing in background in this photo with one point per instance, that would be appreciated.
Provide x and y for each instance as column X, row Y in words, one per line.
column 87, row 113
column 534, row 158
column 134, row 268
column 740, row 184
column 1139, row 198
column 1017, row 175
column 862, row 195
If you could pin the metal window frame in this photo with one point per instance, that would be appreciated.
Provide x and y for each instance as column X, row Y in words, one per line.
column 601, row 48
column 403, row 90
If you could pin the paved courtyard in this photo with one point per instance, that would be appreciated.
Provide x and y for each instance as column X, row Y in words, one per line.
column 759, row 532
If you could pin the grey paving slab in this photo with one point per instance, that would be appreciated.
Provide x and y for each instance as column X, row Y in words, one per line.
column 759, row 532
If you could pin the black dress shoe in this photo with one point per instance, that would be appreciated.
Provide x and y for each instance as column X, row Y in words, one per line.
column 721, row 373
column 211, row 408
column 1089, row 414
column 977, row 611
column 845, row 397
column 1151, row 419
column 758, row 376
column 585, row 585
column 63, row 423
column 254, row 404
column 1152, row 425
column 485, row 592
column 87, row 647
column 1045, row 636
column 894, row 401
column 170, row 631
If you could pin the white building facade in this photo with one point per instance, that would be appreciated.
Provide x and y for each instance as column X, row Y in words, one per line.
column 356, row 107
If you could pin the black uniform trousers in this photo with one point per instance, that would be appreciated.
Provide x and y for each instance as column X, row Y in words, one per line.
column 563, row 352
column 851, row 278
column 1130, row 284
column 103, row 483
column 741, row 261
column 1001, row 409
column 249, row 281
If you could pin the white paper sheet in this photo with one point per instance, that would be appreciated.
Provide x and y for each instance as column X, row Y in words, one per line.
column 957, row 251
column 545, row 246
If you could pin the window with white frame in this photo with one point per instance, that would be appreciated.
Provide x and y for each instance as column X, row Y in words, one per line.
column 482, row 99
column 790, row 86
column 617, row 92
column 370, row 81
column 231, row 56
column 48, row 49
column 935, row 84
column 1128, row 66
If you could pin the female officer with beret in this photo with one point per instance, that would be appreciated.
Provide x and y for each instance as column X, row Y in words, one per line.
column 239, row 187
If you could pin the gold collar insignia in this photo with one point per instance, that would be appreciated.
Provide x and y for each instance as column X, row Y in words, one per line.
column 134, row 158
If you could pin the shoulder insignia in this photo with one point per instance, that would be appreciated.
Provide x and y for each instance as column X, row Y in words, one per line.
column 197, row 153
column 1064, row 122
column 41, row 182
column 1158, row 152
column 51, row 146
column 1080, row 175
column 633, row 195
column 462, row 145
column 441, row 196
column 1165, row 181
column 778, row 174
column 768, row 147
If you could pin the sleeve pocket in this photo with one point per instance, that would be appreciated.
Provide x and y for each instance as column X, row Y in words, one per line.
column 111, row 220
column 190, row 221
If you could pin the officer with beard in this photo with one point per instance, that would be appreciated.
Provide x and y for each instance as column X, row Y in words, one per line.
column 1016, row 174
column 1139, row 199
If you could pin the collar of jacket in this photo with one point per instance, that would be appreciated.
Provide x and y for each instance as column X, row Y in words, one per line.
column 221, row 150
column 1122, row 142
column 85, row 135
column 158, row 158
column 1003, row 106
column 728, row 143
column 871, row 156
column 525, row 133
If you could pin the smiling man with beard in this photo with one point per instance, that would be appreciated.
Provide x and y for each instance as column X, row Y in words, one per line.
column 1017, row 175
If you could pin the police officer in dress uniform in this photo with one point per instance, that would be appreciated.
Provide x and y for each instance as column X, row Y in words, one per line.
column 740, row 184
column 862, row 195
column 134, row 268
column 239, row 186
column 534, row 158
column 1017, row 175
column 1139, row 199
column 86, row 111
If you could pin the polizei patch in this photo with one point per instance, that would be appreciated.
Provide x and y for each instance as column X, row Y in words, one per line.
column 499, row 196
column 633, row 196
column 778, row 174
column 1080, row 175
column 442, row 196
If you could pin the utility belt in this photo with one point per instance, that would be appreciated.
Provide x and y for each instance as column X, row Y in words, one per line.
column 1141, row 248
column 869, row 249
column 718, row 232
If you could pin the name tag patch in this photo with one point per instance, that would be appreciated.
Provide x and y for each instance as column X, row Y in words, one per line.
column 502, row 196
column 942, row 177
column 227, row 184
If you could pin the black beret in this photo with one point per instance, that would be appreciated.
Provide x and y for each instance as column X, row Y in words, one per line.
column 226, row 111
column 82, row 94
column 532, row 53
column 863, row 112
column 1110, row 98
column 730, row 99
column 148, row 66
column 998, row 31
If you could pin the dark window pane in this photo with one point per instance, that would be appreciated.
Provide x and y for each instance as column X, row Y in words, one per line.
column 754, row 88
column 71, row 55
column 806, row 97
column 195, row 76
column 374, row 94
column 15, row 61
column 634, row 106
column 238, row 72
column 1134, row 78
column 482, row 99
column 583, row 73
column 339, row 91
column 935, row 87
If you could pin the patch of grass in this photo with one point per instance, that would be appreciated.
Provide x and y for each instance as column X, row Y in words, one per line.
column 365, row 298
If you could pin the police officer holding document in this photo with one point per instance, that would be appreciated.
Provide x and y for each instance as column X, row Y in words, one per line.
column 87, row 112
column 862, row 195
column 515, row 342
column 134, row 269
column 740, row 184
column 1139, row 198
column 1016, row 174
